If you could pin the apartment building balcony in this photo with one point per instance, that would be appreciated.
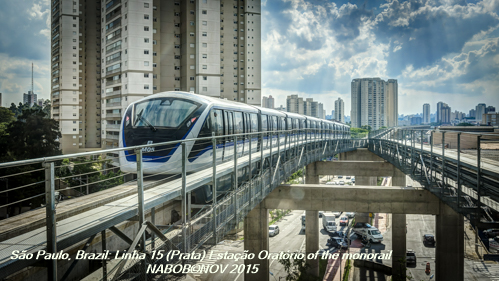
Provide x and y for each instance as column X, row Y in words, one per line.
column 113, row 115
column 55, row 110
column 113, row 93
column 55, row 103
column 111, row 104
column 117, row 36
column 117, row 13
column 113, row 60
column 115, row 3
column 113, row 126
column 113, row 72
column 112, row 137
column 113, row 27
column 112, row 82
column 113, row 49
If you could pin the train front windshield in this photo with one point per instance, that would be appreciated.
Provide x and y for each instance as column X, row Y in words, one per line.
column 162, row 112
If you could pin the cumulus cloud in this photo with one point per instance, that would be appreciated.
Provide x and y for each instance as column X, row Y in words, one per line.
column 436, row 47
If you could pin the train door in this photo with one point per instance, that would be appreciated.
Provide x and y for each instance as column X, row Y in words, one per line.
column 239, row 129
column 218, row 129
column 254, row 129
column 265, row 128
column 229, row 130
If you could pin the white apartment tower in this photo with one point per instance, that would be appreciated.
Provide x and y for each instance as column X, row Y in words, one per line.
column 339, row 110
column 295, row 104
column 123, row 50
column 374, row 102
column 426, row 113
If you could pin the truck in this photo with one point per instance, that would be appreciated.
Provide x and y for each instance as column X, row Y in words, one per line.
column 328, row 221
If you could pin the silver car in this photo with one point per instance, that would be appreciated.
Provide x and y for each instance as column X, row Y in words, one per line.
column 273, row 230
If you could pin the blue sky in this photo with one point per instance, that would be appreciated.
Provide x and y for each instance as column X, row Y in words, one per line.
column 439, row 50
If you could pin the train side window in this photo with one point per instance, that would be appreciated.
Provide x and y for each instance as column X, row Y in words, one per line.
column 230, row 128
column 238, row 123
column 254, row 123
column 274, row 123
column 264, row 123
column 218, row 122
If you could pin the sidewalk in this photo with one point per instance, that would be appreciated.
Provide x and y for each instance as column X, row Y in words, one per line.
column 380, row 221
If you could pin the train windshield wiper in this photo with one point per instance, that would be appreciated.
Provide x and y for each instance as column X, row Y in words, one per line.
column 139, row 117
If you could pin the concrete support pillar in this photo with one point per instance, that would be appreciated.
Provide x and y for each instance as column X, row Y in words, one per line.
column 399, row 178
column 311, row 176
column 256, row 239
column 449, row 253
column 399, row 246
column 312, row 239
column 370, row 181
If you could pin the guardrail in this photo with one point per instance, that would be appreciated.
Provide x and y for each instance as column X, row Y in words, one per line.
column 269, row 159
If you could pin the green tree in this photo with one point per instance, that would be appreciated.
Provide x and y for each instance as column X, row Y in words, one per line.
column 46, row 108
column 367, row 127
column 33, row 136
column 296, row 269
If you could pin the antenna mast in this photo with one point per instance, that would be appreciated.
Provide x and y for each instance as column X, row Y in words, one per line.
column 32, row 79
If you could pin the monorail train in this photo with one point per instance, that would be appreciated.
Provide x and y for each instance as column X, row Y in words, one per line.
column 174, row 116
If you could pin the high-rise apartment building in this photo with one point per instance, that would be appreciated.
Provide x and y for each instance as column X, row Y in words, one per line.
column 30, row 98
column 268, row 102
column 107, row 54
column 472, row 113
column 339, row 110
column 490, row 109
column 443, row 113
column 40, row 102
column 265, row 101
column 374, row 102
column 479, row 111
column 426, row 113
column 1, row 104
column 295, row 104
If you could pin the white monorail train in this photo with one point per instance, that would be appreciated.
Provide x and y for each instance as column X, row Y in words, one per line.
column 175, row 116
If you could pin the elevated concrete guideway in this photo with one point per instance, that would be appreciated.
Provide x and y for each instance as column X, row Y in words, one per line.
column 375, row 199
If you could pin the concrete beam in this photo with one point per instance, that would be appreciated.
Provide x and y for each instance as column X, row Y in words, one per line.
column 357, row 168
column 256, row 239
column 367, row 199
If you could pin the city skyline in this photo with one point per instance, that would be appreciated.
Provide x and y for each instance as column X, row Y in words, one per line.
column 469, row 78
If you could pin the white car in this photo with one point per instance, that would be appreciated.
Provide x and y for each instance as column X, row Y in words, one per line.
column 350, row 214
column 273, row 230
column 336, row 214
column 494, row 245
column 342, row 183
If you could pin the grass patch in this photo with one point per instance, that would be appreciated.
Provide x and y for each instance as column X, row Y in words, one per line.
column 322, row 267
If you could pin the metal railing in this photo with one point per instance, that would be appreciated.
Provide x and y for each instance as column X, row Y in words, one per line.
column 268, row 159
column 468, row 182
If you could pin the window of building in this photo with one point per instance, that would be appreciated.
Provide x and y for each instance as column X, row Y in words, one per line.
column 205, row 56
column 205, row 34
column 192, row 78
column 154, row 65
column 177, row 46
column 205, row 66
column 192, row 67
column 146, row 75
column 146, row 52
column 146, row 40
column 205, row 23
column 191, row 34
column 177, row 78
column 192, row 23
column 191, row 45
column 205, row 77
column 192, row 12
column 146, row 17
column 146, row 63
column 177, row 67
column 154, row 42
column 204, row 12
column 154, row 76
column 154, row 54
column 191, row 56
column 146, row 28
column 205, row 45
column 146, row 5
column 146, row 87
